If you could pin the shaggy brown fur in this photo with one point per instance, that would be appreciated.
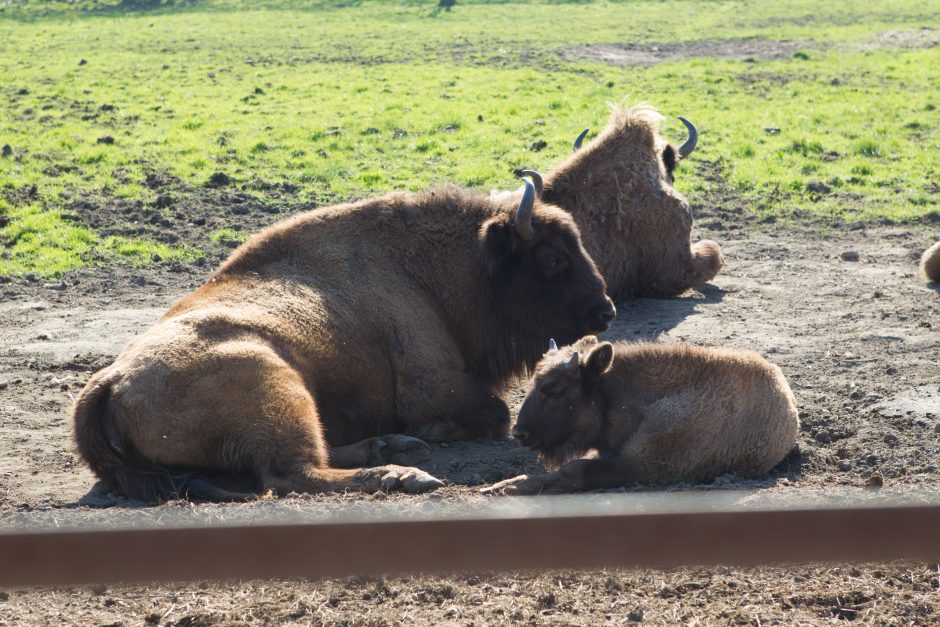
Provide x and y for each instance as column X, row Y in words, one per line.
column 655, row 414
column 322, row 334
column 930, row 263
column 635, row 225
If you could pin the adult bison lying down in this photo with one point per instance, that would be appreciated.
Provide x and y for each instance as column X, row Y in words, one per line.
column 655, row 414
column 323, row 334
column 930, row 263
column 635, row 226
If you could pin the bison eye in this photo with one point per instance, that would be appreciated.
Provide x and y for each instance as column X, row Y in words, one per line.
column 554, row 389
column 551, row 261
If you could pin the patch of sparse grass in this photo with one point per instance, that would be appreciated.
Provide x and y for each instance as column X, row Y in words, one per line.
column 41, row 242
column 229, row 237
column 343, row 101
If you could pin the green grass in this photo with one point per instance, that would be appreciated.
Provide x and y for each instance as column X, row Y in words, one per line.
column 345, row 101
column 42, row 243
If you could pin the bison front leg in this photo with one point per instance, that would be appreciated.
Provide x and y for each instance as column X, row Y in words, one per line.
column 384, row 449
column 576, row 476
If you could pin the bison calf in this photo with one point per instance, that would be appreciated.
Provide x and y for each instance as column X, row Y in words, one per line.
column 654, row 414
column 930, row 263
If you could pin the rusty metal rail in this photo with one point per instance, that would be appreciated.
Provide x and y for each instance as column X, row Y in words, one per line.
column 521, row 537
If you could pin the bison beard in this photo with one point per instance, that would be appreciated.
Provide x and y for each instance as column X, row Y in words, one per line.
column 324, row 337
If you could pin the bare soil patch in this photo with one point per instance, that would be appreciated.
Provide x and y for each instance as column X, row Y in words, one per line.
column 648, row 54
column 626, row 54
column 858, row 341
column 923, row 37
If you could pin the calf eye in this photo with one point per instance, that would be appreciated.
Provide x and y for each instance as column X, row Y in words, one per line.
column 552, row 262
column 554, row 389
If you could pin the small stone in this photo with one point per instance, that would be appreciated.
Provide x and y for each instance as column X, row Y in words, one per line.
column 844, row 466
column 771, row 130
column 875, row 481
column 537, row 145
column 7, row 150
column 850, row 255
column 106, row 139
column 82, row 62
column 99, row 588
column 379, row 496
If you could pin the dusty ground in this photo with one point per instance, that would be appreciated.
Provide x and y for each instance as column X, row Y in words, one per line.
column 753, row 49
column 841, row 310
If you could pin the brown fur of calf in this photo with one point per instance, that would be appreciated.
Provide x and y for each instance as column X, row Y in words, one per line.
column 654, row 414
column 930, row 263
column 634, row 224
column 398, row 314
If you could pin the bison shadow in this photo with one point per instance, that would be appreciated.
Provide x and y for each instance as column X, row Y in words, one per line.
column 478, row 463
column 648, row 318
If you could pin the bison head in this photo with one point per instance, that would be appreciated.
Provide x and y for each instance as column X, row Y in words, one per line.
column 548, row 286
column 635, row 225
column 561, row 417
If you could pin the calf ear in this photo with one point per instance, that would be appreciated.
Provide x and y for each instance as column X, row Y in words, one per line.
column 498, row 241
column 599, row 360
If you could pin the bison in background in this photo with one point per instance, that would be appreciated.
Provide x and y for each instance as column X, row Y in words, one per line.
column 323, row 334
column 634, row 224
column 655, row 414
column 930, row 263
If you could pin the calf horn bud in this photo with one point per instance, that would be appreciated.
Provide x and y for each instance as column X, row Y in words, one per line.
column 523, row 218
column 577, row 142
column 536, row 179
column 686, row 148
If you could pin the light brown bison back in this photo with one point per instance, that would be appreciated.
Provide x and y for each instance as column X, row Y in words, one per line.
column 702, row 412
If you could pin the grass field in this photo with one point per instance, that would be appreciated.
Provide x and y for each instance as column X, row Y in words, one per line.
column 336, row 100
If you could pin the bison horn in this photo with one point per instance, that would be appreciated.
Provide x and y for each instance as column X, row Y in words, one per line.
column 573, row 362
column 536, row 178
column 523, row 218
column 577, row 142
column 686, row 148
column 551, row 345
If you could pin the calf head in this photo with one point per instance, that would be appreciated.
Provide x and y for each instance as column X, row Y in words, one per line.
column 547, row 285
column 561, row 417
column 634, row 223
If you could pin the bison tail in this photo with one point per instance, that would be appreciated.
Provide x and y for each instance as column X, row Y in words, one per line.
column 119, row 465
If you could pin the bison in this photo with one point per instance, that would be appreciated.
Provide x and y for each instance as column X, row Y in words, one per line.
column 324, row 338
column 930, row 263
column 655, row 414
column 635, row 225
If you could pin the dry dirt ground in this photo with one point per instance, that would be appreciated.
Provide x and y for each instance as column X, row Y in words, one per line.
column 840, row 309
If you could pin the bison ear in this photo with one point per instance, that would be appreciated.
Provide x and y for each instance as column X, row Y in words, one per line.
column 498, row 243
column 598, row 361
column 669, row 158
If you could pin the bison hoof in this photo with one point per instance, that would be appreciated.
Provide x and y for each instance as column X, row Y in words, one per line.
column 398, row 449
column 516, row 486
column 410, row 480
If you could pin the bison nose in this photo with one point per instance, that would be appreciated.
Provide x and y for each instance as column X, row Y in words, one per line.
column 602, row 314
column 522, row 434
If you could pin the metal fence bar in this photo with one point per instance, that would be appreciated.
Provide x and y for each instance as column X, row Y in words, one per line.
column 500, row 542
